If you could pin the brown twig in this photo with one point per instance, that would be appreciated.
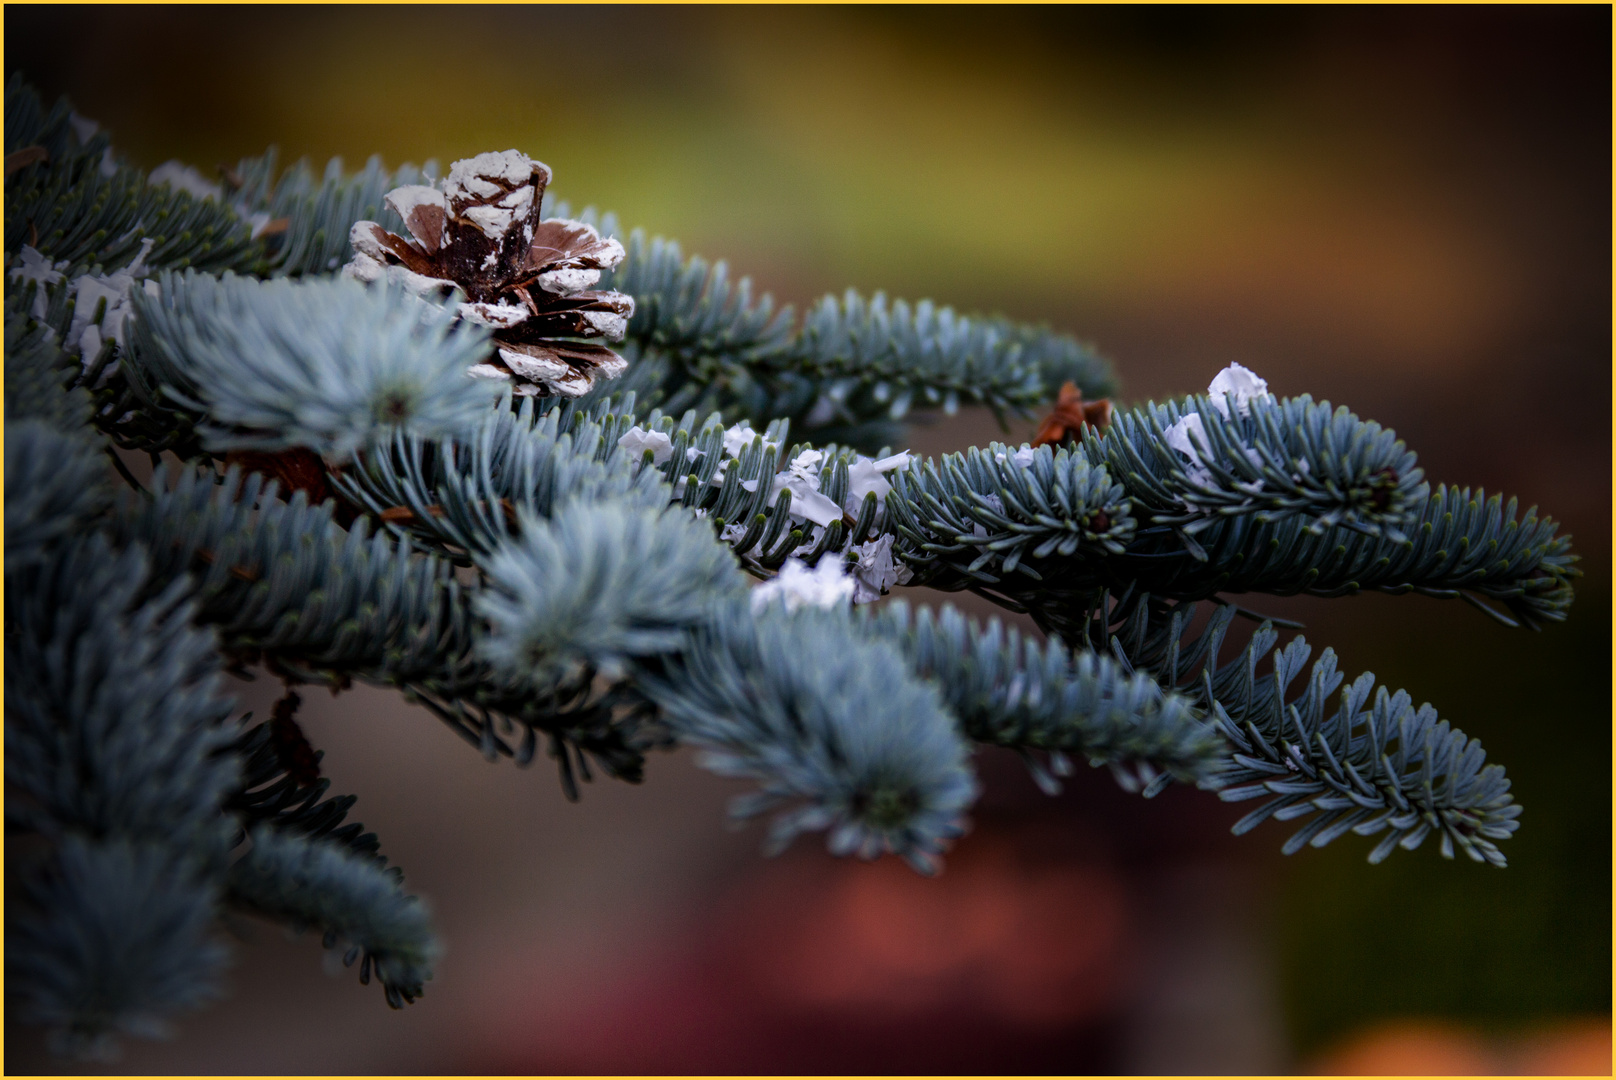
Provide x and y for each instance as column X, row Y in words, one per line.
column 403, row 515
column 292, row 747
column 1070, row 415
column 245, row 573
column 18, row 159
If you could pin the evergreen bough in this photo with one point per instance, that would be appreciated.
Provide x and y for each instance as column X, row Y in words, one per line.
column 570, row 573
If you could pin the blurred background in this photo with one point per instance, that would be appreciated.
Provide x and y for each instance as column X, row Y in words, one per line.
column 1404, row 210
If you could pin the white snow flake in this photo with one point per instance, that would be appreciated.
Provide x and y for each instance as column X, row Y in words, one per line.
column 182, row 177
column 32, row 266
column 865, row 476
column 636, row 440
column 824, row 411
column 259, row 221
column 1240, row 383
column 806, row 501
column 824, row 586
column 84, row 128
column 806, row 465
column 1183, row 436
column 1022, row 458
column 89, row 290
column 736, row 439
column 877, row 571
column 811, row 542
column 801, row 478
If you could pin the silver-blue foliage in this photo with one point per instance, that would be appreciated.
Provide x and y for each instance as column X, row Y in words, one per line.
column 279, row 791
column 597, row 584
column 1343, row 762
column 1278, row 459
column 55, row 482
column 1380, row 767
column 1015, row 692
column 115, row 754
column 1009, row 494
column 286, row 581
column 836, row 732
column 1463, row 545
column 319, row 213
column 349, row 898
column 463, row 495
column 969, row 520
column 694, row 310
column 331, row 365
column 114, row 704
column 112, row 936
column 987, row 514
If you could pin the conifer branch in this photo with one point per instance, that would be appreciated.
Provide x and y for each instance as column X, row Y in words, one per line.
column 286, row 585
column 111, row 937
column 1456, row 544
column 462, row 496
column 113, row 725
column 281, row 787
column 1274, row 460
column 839, row 739
column 55, row 483
column 597, row 584
column 285, row 582
column 313, row 217
column 350, row 899
column 114, row 703
column 331, row 366
column 1361, row 765
column 79, row 205
column 1042, row 697
column 849, row 371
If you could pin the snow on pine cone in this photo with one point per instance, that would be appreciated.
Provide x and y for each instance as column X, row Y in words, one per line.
column 479, row 231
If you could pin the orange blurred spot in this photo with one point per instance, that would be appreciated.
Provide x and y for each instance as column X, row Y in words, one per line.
column 1034, row 945
column 1410, row 1048
column 1578, row 1048
column 1431, row 1048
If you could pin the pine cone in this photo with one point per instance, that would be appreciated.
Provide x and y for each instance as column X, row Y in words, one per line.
column 528, row 278
column 298, row 469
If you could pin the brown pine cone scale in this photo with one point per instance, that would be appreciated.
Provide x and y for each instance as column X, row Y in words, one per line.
column 480, row 231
